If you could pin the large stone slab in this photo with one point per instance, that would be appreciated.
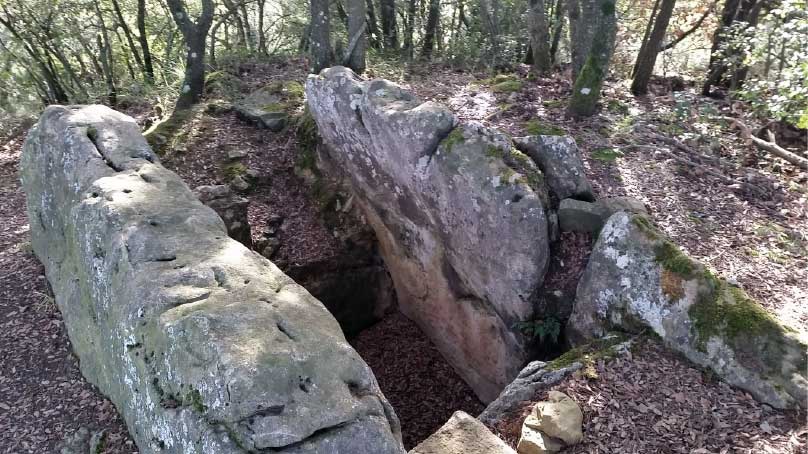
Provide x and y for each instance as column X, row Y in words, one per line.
column 203, row 345
column 458, row 213
column 462, row 434
column 636, row 279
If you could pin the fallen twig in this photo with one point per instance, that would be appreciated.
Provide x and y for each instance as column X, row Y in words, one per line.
column 771, row 147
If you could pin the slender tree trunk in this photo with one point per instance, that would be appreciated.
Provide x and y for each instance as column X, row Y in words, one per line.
column 644, row 42
column 431, row 28
column 489, row 19
column 247, row 27
column 389, row 27
column 539, row 36
column 262, row 38
column 586, row 91
column 646, row 60
column 320, row 36
column 105, row 48
column 409, row 30
column 126, row 60
column 374, row 38
column 558, row 28
column 129, row 39
column 357, row 40
column 143, row 38
column 195, row 34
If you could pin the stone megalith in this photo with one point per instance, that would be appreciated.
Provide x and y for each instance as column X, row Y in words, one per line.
column 203, row 345
column 637, row 279
column 458, row 213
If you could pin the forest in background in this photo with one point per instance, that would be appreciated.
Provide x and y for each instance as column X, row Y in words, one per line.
column 163, row 52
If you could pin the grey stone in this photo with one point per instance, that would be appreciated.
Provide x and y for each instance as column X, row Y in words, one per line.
column 579, row 216
column 231, row 207
column 463, row 234
column 235, row 155
column 240, row 184
column 462, row 434
column 201, row 344
column 636, row 280
column 265, row 108
column 531, row 381
column 270, row 247
column 558, row 157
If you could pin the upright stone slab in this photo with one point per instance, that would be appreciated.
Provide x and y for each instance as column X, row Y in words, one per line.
column 458, row 213
column 636, row 279
column 203, row 345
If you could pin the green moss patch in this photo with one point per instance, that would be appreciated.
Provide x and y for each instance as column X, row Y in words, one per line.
column 674, row 260
column 589, row 353
column 504, row 83
column 455, row 137
column 537, row 128
column 606, row 154
column 234, row 170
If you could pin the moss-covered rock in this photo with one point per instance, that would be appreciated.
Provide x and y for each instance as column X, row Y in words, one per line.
column 637, row 279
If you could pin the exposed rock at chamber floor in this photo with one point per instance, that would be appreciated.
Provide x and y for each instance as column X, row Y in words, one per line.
column 203, row 345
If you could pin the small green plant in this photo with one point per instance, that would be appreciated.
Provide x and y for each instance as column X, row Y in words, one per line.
column 504, row 83
column 617, row 106
column 548, row 328
column 606, row 154
column 537, row 128
column 234, row 170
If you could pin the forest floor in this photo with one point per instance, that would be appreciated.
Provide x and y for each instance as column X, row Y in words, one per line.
column 750, row 227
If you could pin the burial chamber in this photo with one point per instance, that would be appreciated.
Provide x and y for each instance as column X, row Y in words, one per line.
column 203, row 345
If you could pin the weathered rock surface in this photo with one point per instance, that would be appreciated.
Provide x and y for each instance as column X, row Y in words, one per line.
column 463, row 234
column 203, row 345
column 539, row 376
column 558, row 157
column 462, row 434
column 533, row 441
column 557, row 417
column 636, row 279
column 586, row 217
column 231, row 207
column 533, row 379
column 270, row 106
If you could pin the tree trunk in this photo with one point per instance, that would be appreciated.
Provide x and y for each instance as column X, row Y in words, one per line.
column 195, row 35
column 586, row 91
column 431, row 28
column 409, row 29
column 558, row 28
column 320, row 36
column 539, row 36
column 489, row 20
column 357, row 41
column 374, row 38
column 644, row 42
column 389, row 27
column 105, row 48
column 262, row 38
column 585, row 18
column 716, row 67
column 646, row 60
column 129, row 39
column 143, row 38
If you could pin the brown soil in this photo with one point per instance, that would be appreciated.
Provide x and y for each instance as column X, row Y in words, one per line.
column 653, row 401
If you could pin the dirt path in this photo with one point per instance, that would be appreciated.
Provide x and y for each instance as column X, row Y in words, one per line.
column 43, row 396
